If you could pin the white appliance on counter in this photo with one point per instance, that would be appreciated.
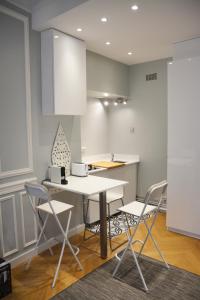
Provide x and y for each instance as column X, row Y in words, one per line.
column 57, row 174
column 79, row 169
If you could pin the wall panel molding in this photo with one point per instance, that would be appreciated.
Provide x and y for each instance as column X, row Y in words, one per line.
column 14, row 186
column 29, row 168
column 2, row 238
column 27, row 243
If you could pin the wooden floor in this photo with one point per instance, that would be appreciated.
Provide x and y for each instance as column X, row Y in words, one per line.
column 35, row 284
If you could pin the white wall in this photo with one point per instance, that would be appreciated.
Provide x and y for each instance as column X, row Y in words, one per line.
column 146, row 112
column 94, row 128
column 110, row 130
column 106, row 75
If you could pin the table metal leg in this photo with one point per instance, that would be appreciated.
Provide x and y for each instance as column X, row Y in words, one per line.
column 103, row 224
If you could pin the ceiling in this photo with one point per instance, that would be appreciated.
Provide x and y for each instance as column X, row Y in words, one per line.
column 148, row 33
column 24, row 4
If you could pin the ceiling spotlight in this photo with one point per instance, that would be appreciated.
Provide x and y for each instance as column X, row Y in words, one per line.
column 108, row 43
column 125, row 102
column 130, row 53
column 134, row 7
column 56, row 36
column 106, row 94
column 79, row 29
column 106, row 103
column 104, row 19
column 170, row 63
column 115, row 103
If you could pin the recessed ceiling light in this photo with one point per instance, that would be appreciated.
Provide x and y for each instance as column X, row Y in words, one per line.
column 56, row 36
column 104, row 19
column 125, row 102
column 106, row 103
column 130, row 53
column 170, row 63
column 106, row 94
column 134, row 7
column 108, row 43
column 115, row 103
column 79, row 29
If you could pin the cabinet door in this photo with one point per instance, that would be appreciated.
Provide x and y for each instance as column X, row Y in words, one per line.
column 183, row 205
column 63, row 74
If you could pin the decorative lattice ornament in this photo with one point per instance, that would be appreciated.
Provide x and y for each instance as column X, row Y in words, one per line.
column 61, row 155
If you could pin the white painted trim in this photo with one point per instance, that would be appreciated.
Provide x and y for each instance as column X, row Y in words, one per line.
column 22, row 257
column 26, row 244
column 14, row 186
column 11, row 197
column 187, row 233
column 28, row 169
column 19, row 5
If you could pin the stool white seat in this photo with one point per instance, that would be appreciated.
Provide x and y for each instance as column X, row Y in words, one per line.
column 111, row 196
column 54, row 208
column 58, row 207
column 140, row 211
column 135, row 208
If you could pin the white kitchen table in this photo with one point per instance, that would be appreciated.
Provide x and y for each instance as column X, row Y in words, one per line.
column 87, row 186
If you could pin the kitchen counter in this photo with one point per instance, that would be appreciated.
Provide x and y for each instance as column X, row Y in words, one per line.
column 127, row 158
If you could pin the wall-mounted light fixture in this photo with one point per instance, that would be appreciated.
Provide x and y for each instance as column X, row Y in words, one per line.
column 114, row 101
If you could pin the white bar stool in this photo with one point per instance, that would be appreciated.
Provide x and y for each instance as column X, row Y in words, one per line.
column 142, row 211
column 51, row 207
column 111, row 197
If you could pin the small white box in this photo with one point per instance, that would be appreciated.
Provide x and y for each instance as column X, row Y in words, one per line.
column 57, row 174
column 79, row 169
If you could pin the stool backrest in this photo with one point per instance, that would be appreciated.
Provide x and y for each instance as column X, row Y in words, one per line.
column 36, row 190
column 156, row 191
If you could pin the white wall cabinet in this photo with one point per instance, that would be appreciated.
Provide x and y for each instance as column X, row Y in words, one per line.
column 63, row 74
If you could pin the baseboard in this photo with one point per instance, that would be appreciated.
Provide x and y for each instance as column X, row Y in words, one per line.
column 22, row 257
column 190, row 234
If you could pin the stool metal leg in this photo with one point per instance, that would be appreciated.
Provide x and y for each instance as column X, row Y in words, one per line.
column 85, row 214
column 110, row 237
column 85, row 220
column 65, row 241
column 155, row 243
column 122, row 200
column 129, row 246
column 39, row 221
column 39, row 238
column 139, row 270
column 65, row 235
column 109, row 233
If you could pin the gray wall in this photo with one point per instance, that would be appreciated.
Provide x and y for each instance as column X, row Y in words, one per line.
column 43, row 133
column 12, row 95
column 103, row 75
column 94, row 128
column 106, row 75
column 147, row 113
